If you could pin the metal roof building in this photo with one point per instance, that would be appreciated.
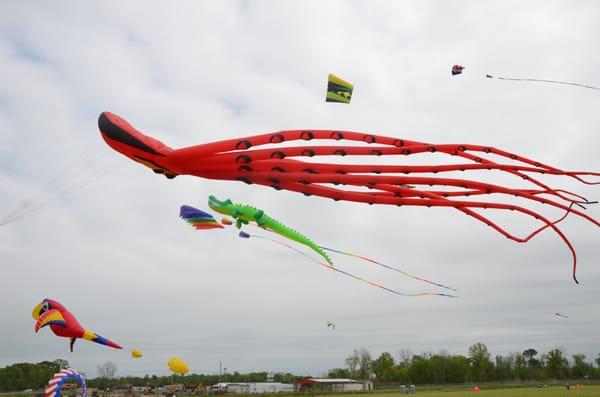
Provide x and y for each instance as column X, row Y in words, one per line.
column 333, row 384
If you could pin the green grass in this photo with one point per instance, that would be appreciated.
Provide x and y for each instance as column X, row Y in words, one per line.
column 551, row 391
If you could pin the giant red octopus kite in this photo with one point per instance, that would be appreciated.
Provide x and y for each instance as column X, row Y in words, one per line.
column 278, row 167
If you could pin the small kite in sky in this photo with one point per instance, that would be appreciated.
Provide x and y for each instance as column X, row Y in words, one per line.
column 457, row 69
column 178, row 366
column 338, row 90
column 331, row 325
column 136, row 353
column 560, row 315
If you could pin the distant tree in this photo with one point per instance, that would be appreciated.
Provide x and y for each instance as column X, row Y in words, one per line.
column 440, row 366
column 339, row 373
column 404, row 357
column 106, row 372
column 580, row 367
column 460, row 369
column 481, row 365
column 597, row 360
column 420, row 370
column 365, row 363
column 61, row 363
column 529, row 355
column 521, row 367
column 555, row 364
column 352, row 362
column 384, row 367
column 504, row 367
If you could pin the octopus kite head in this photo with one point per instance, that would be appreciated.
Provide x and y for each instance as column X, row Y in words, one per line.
column 125, row 139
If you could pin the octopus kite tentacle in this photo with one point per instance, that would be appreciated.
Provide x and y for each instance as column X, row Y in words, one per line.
column 273, row 160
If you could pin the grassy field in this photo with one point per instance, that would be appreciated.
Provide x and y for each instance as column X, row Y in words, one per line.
column 551, row 391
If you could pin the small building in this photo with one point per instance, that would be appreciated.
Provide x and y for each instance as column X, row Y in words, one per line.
column 252, row 387
column 334, row 384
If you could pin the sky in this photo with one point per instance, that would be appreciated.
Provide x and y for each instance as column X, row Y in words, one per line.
column 101, row 234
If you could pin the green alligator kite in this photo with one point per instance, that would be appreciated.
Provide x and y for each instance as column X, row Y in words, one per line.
column 244, row 214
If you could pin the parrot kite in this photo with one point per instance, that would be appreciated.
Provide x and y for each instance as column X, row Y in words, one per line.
column 63, row 323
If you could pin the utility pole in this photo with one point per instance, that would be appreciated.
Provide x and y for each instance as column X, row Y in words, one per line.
column 220, row 366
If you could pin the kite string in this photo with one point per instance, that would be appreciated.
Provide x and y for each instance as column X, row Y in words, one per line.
column 352, row 275
column 26, row 210
column 545, row 81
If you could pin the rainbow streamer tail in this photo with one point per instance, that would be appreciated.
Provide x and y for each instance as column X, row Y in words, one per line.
column 330, row 267
column 364, row 258
column 199, row 219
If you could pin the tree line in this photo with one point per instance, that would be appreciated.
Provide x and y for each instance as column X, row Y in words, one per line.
column 477, row 366
column 425, row 368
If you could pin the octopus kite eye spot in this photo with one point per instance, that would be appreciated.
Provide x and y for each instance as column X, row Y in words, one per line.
column 245, row 168
column 277, row 138
column 245, row 180
column 337, row 135
column 398, row 142
column 513, row 157
column 277, row 154
column 488, row 150
column 406, row 152
column 308, row 152
column 243, row 159
column 537, row 164
column 243, row 145
column 307, row 135
column 369, row 138
column 432, row 149
column 307, row 194
column 461, row 148
column 340, row 152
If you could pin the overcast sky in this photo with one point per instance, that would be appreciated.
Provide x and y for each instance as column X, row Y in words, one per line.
column 113, row 250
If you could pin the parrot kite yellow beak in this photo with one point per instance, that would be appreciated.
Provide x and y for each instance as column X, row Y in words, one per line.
column 35, row 313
